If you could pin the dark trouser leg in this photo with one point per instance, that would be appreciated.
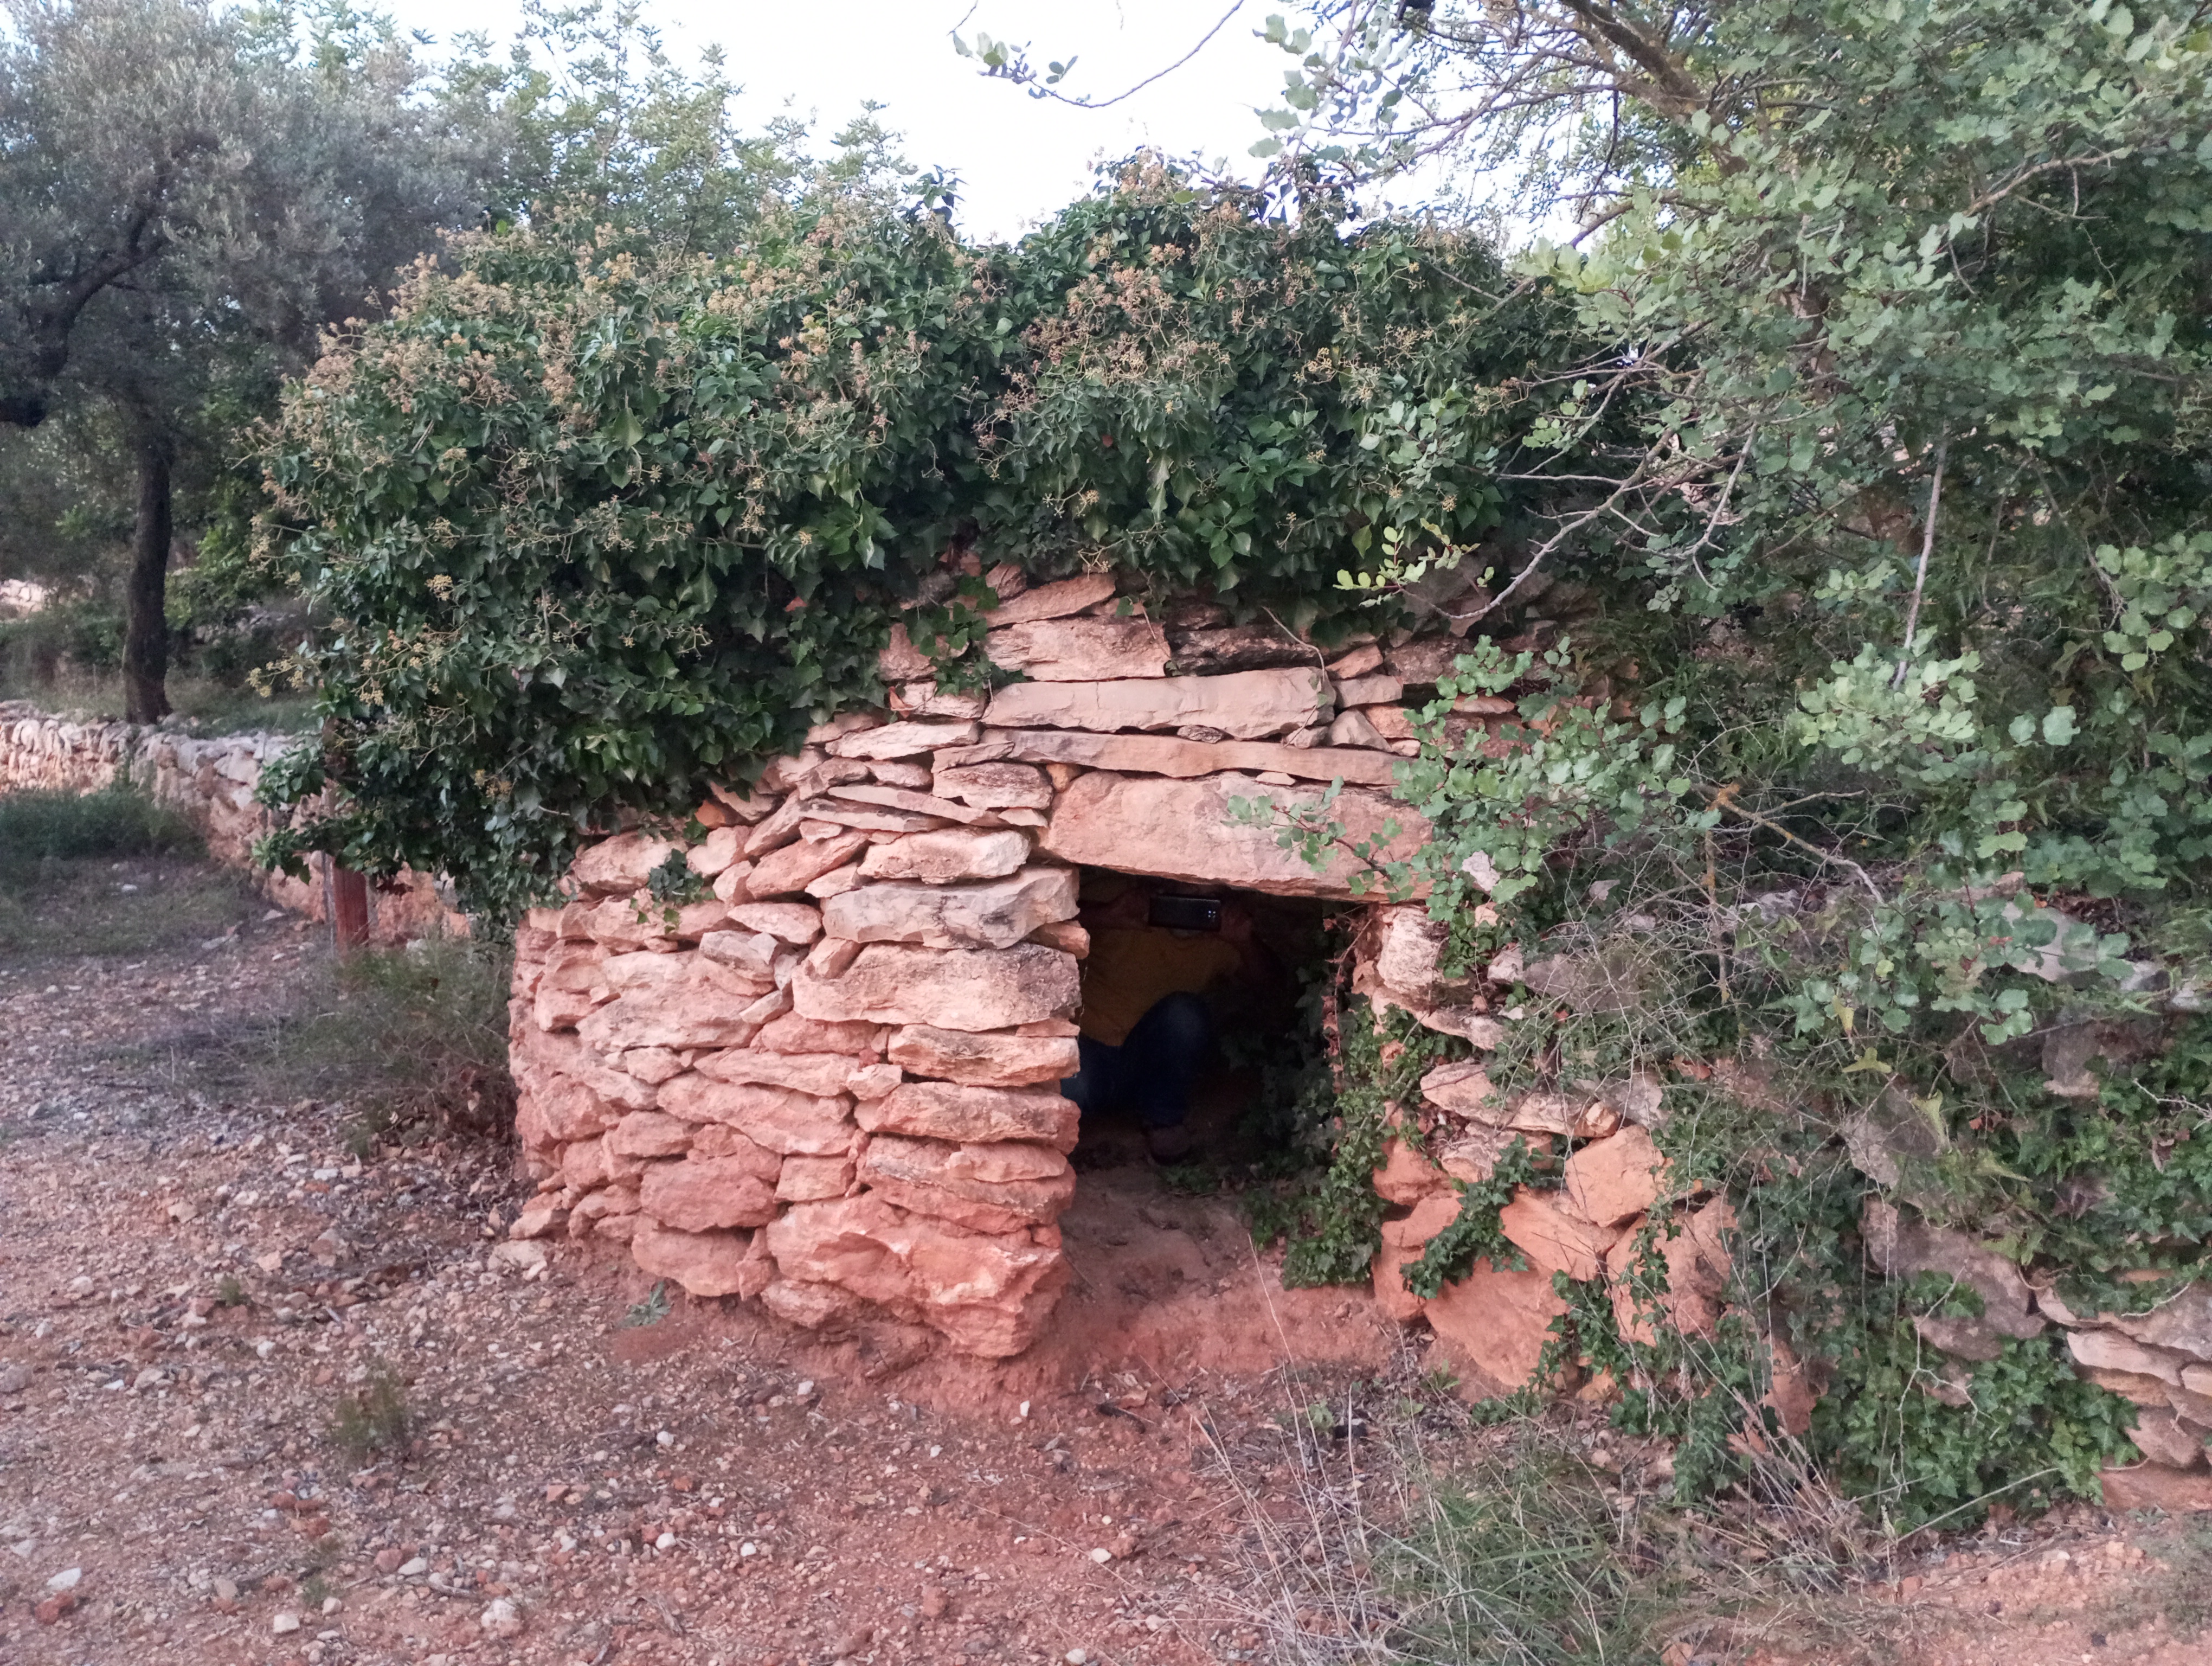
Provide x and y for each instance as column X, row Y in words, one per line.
column 1161, row 1058
column 1096, row 1085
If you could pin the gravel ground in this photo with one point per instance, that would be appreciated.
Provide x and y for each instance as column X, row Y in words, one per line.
column 272, row 1391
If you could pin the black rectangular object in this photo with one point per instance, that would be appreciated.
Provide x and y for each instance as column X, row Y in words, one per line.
column 1187, row 914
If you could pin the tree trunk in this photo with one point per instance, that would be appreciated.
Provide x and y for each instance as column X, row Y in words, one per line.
column 145, row 616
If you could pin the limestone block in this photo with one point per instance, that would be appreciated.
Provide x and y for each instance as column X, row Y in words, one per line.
column 989, row 1294
column 650, row 1134
column 920, row 804
column 720, row 1140
column 1213, row 649
column 835, row 883
column 1409, row 949
column 626, row 924
column 1498, row 1321
column 822, row 1075
column 2155, row 1487
column 901, row 662
column 537, row 1057
column 994, row 786
column 1000, row 1060
column 2160, row 1437
column 1069, row 936
column 695, row 919
column 795, row 1034
column 781, row 1119
column 687, row 1007
column 2107, row 1350
column 1246, row 705
column 1406, row 1176
column 700, row 1194
column 586, row 1164
column 623, row 863
column 1180, row 829
column 823, row 814
column 914, row 777
column 1081, row 650
column 1165, row 755
column 750, row 951
column 1901, row 1245
column 589, row 1210
column 1553, row 1237
column 1609, row 1181
column 1052, row 601
column 559, row 1108
column 743, row 804
column 792, row 868
column 872, row 1081
column 1358, row 663
column 941, row 858
column 907, row 740
column 814, row 1179
column 1464, row 1089
column 926, row 699
column 1403, row 1241
column 1353, row 729
column 779, row 828
column 988, row 1188
column 704, row 1263
column 812, row 1306
column 973, row 1115
column 2184, row 1323
column 995, row 913
column 1373, row 689
column 975, row 989
column 1693, row 1250
column 788, row 922
column 569, row 988
column 1395, row 724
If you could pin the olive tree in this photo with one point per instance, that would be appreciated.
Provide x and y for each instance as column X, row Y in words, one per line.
column 187, row 196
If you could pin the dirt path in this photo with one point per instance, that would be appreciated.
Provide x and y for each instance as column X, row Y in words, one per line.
column 195, row 1289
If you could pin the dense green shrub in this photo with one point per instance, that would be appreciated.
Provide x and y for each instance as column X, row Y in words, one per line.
column 595, row 523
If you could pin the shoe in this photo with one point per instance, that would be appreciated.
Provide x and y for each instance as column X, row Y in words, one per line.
column 1169, row 1145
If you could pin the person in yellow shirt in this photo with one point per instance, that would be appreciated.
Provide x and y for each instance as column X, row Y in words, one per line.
column 1161, row 969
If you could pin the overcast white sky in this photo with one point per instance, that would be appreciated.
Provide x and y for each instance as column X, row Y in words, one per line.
column 1019, row 158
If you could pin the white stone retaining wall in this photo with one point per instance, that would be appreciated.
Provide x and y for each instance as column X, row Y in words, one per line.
column 211, row 781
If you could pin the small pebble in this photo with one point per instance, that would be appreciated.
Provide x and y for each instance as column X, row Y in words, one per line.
column 665, row 1541
column 66, row 1579
column 284, row 1624
column 1102, row 1555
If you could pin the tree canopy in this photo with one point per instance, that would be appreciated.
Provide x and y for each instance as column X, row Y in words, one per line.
column 187, row 198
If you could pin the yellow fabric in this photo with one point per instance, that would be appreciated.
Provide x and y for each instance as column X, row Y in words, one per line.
column 1130, row 967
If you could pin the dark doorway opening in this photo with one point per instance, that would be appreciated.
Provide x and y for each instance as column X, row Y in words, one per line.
column 1202, row 999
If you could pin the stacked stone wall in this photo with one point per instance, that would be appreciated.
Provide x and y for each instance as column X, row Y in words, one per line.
column 834, row 1087
column 210, row 781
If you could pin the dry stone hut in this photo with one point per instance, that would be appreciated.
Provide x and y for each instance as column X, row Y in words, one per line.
column 833, row 1088
column 836, row 1085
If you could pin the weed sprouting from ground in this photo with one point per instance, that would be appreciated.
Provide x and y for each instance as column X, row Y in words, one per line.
column 374, row 1420
column 1420, row 1538
column 412, row 1040
column 650, row 1312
